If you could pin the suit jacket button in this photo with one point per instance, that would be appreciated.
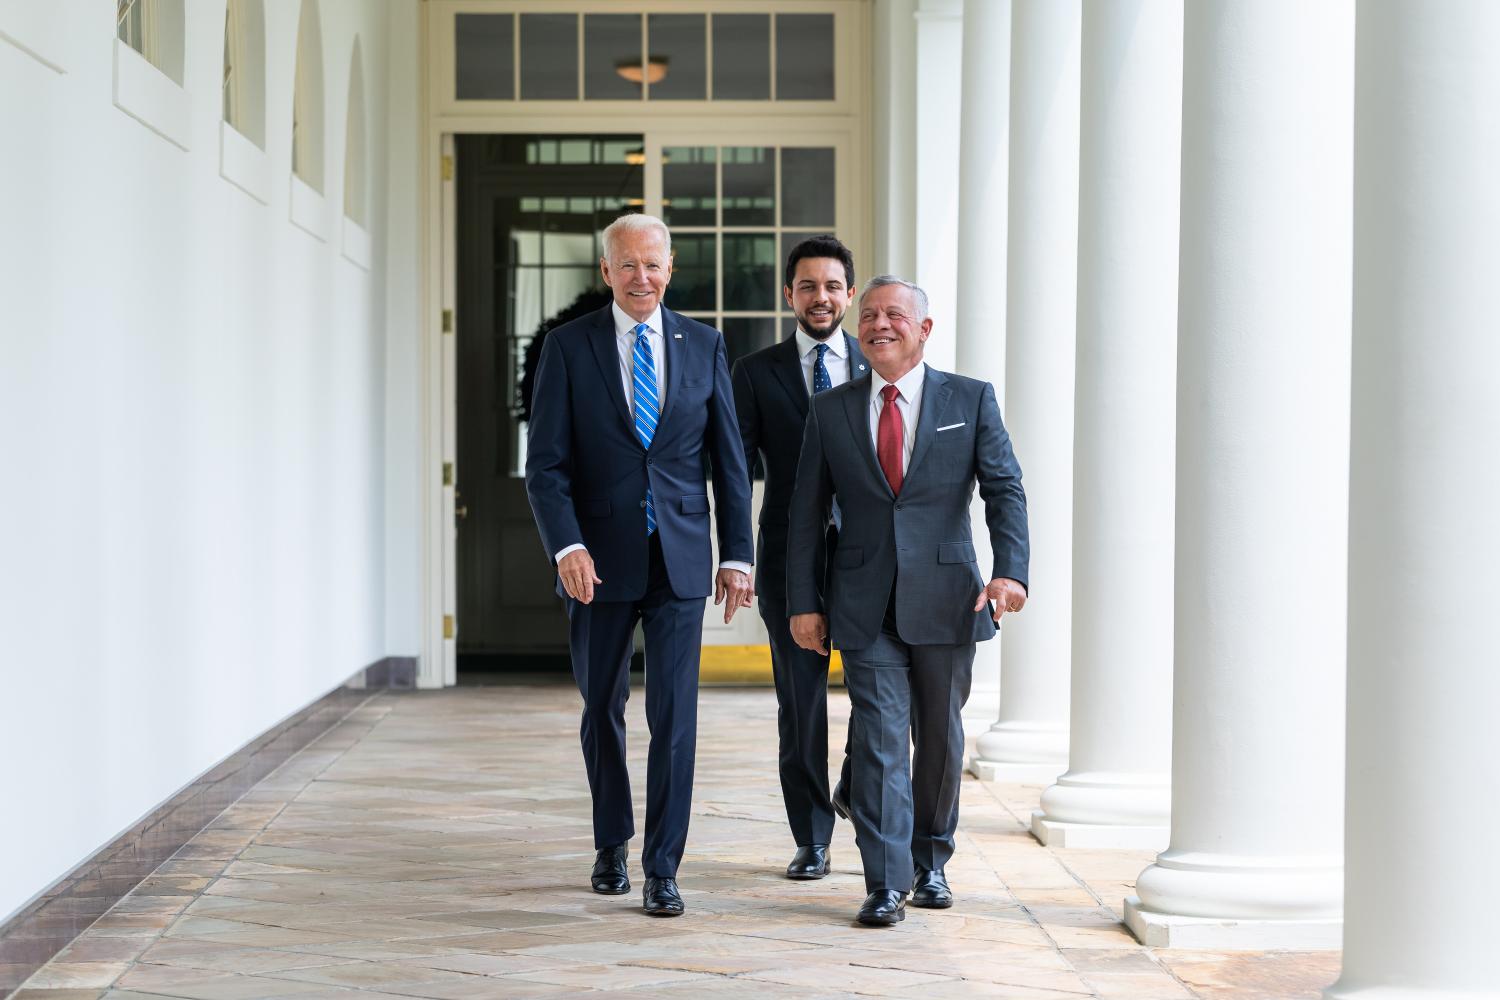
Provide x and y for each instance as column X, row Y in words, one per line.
column 898, row 506
column 643, row 505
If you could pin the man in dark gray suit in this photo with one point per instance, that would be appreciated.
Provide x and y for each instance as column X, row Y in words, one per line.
column 771, row 392
column 901, row 452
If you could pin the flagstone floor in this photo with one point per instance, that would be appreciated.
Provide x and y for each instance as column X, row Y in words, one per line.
column 437, row 844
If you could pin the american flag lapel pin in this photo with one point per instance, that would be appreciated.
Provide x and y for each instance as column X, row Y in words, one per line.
column 676, row 336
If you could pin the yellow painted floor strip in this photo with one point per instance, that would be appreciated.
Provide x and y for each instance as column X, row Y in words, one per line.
column 749, row 665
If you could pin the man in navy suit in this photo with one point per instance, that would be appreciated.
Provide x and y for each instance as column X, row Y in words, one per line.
column 630, row 404
column 901, row 452
column 771, row 392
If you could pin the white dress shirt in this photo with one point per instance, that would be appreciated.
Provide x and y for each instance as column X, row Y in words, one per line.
column 836, row 360
column 625, row 342
column 908, row 401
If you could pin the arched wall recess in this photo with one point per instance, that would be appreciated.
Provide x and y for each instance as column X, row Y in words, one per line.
column 307, row 99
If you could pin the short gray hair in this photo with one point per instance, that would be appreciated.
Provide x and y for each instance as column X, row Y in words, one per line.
column 882, row 280
column 635, row 222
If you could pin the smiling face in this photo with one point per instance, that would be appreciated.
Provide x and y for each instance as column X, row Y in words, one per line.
column 637, row 271
column 818, row 296
column 890, row 334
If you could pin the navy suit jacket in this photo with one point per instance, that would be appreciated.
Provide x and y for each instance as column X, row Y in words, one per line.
column 587, row 472
column 920, row 542
column 771, row 398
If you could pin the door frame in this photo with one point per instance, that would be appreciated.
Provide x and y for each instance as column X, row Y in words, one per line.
column 843, row 124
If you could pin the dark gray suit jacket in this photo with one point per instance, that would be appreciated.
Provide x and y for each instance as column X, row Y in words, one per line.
column 919, row 543
column 770, row 397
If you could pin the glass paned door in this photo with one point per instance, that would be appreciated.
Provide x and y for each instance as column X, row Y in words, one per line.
column 735, row 212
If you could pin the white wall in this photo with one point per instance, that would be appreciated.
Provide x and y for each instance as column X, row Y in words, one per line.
column 192, row 494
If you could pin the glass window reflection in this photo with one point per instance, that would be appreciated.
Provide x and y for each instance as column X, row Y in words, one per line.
column 807, row 187
column 612, row 57
column 484, row 54
column 749, row 186
column 750, row 272
column 689, row 185
column 742, row 57
column 678, row 43
column 549, row 57
column 804, row 57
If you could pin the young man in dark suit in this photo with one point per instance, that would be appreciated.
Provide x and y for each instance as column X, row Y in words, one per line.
column 772, row 388
column 901, row 453
column 628, row 403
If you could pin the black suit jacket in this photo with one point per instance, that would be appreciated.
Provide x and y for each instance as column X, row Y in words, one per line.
column 771, row 399
column 587, row 473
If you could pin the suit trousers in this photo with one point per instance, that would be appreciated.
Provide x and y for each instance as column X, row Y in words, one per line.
column 905, row 805
column 801, row 678
column 601, row 637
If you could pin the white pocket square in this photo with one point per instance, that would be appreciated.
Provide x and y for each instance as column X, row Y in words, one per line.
column 950, row 426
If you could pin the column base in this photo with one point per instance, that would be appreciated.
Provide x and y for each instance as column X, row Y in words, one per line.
column 1056, row 833
column 1005, row 772
column 1021, row 753
column 1166, row 930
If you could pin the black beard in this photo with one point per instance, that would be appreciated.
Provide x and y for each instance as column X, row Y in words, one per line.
column 834, row 323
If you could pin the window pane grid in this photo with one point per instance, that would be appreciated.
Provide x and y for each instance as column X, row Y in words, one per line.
column 774, row 57
column 749, row 259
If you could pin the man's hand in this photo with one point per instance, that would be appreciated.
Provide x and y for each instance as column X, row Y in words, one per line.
column 811, row 632
column 577, row 573
column 1007, row 594
column 736, row 587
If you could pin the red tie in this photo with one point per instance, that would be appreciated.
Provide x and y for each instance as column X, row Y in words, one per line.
column 890, row 438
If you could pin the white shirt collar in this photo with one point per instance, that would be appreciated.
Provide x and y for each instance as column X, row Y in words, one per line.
column 907, row 385
column 625, row 326
column 837, row 344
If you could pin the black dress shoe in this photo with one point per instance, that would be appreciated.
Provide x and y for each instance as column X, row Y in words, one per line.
column 810, row 861
column 882, row 908
column 841, row 800
column 609, row 871
column 930, row 890
column 661, row 898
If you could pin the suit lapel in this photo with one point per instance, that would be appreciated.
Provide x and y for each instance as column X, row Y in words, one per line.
column 857, row 409
column 787, row 366
column 935, row 393
column 858, row 366
column 676, row 357
column 607, row 353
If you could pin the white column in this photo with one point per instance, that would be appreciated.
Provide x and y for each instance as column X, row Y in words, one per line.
column 894, row 117
column 1424, row 748
column 1117, row 792
column 1262, row 482
column 939, row 34
column 1029, row 741
column 979, row 334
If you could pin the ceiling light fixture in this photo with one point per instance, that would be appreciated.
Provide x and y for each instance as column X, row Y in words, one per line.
column 654, row 72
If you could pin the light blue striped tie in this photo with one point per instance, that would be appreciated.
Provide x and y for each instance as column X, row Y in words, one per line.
column 647, row 405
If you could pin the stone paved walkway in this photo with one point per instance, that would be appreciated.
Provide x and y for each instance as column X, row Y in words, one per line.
column 437, row 844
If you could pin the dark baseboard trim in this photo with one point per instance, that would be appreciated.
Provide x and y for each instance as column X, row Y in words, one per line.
column 49, row 923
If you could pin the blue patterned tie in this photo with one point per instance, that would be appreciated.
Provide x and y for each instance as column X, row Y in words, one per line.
column 647, row 405
column 821, row 380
